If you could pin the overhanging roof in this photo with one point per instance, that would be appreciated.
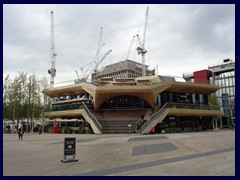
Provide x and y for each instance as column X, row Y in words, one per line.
column 147, row 92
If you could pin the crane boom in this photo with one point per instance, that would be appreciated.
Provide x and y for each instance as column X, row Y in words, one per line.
column 141, row 50
column 100, row 45
column 77, row 75
column 95, row 60
column 96, row 66
column 130, row 47
column 145, row 28
column 97, row 54
column 52, row 70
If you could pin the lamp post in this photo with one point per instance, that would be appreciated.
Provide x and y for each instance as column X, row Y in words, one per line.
column 44, row 108
column 29, row 100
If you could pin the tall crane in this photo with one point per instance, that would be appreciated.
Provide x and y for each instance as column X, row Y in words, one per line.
column 141, row 49
column 130, row 47
column 100, row 45
column 96, row 66
column 52, row 70
column 95, row 60
column 94, row 69
column 77, row 75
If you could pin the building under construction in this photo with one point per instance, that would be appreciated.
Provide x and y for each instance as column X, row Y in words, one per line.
column 122, row 69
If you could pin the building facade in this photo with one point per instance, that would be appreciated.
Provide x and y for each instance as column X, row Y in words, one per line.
column 222, row 75
column 122, row 69
column 128, row 105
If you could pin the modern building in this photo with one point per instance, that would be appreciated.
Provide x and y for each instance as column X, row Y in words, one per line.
column 141, row 105
column 122, row 69
column 222, row 75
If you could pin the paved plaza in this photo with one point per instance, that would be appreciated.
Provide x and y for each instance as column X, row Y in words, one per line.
column 209, row 153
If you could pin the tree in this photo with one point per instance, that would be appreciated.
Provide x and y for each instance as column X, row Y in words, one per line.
column 214, row 101
column 22, row 97
column 6, row 99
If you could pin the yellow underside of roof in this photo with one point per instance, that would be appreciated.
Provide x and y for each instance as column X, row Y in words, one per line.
column 147, row 92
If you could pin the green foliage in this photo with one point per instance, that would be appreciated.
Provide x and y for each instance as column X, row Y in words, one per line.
column 22, row 96
column 214, row 101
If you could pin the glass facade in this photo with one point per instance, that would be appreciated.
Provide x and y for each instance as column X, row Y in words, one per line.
column 172, row 124
column 185, row 98
column 224, row 77
column 124, row 102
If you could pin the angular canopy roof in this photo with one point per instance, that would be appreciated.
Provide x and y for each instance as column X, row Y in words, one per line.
column 147, row 89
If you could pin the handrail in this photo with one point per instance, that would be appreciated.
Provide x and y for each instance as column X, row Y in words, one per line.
column 190, row 106
column 66, row 107
column 152, row 118
column 175, row 105
column 98, row 125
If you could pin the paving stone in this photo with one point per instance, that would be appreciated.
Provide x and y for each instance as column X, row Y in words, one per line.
column 197, row 154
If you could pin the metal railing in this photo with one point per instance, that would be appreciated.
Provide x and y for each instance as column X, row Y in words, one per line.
column 191, row 106
column 66, row 107
column 152, row 118
column 72, row 106
column 94, row 119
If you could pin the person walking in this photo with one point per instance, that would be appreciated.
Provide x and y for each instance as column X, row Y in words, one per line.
column 40, row 130
column 20, row 132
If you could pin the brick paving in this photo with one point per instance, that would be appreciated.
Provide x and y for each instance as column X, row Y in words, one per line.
column 210, row 153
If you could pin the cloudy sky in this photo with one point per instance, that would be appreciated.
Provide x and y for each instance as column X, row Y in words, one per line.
column 179, row 38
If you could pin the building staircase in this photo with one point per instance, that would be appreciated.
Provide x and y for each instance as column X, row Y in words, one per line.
column 118, row 121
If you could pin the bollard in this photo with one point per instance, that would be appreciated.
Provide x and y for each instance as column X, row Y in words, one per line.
column 153, row 130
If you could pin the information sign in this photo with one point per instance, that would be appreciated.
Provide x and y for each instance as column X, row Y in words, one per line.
column 69, row 146
column 69, row 150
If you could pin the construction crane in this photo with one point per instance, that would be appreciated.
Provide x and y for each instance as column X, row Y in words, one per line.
column 83, row 72
column 96, row 66
column 52, row 70
column 94, row 69
column 130, row 47
column 141, row 50
column 100, row 45
column 96, row 60
column 77, row 75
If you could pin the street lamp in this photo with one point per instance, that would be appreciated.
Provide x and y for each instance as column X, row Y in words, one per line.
column 29, row 99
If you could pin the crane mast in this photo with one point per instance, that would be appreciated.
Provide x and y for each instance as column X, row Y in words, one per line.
column 141, row 50
column 96, row 66
column 100, row 45
column 96, row 59
column 52, row 70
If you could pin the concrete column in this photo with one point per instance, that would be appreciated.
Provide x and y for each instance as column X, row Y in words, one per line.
column 213, row 123
column 221, row 122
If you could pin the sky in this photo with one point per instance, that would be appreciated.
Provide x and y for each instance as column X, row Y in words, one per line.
column 180, row 38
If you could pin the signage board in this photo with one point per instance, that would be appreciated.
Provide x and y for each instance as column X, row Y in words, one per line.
column 69, row 150
column 69, row 146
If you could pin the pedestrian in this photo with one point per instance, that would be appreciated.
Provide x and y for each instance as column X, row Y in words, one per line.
column 8, row 128
column 20, row 132
column 40, row 130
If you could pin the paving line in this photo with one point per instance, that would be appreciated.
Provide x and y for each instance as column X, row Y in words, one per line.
column 110, row 171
